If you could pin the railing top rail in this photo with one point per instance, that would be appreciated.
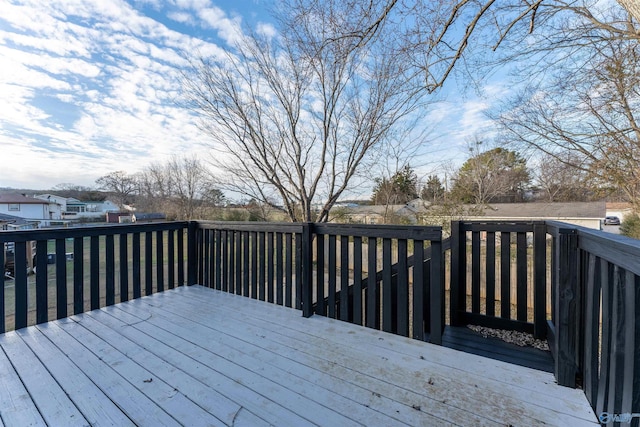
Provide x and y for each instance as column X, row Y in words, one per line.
column 87, row 231
column 619, row 250
column 503, row 226
column 559, row 227
column 282, row 227
column 414, row 232
column 503, row 221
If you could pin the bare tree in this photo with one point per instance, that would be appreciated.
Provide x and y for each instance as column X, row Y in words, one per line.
column 121, row 185
column 589, row 109
column 295, row 116
column 473, row 36
column 190, row 181
column 559, row 182
column 155, row 189
column 179, row 187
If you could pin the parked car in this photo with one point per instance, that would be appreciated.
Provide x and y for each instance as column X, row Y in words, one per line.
column 612, row 220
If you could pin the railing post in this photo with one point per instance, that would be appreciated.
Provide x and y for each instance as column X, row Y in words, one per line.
column 307, row 269
column 436, row 293
column 2, row 288
column 458, row 271
column 192, row 261
column 566, row 310
column 540, row 281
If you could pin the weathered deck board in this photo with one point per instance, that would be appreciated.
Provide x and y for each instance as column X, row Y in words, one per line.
column 488, row 390
column 194, row 356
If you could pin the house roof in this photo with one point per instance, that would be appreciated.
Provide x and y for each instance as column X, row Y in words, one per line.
column 547, row 210
column 618, row 206
column 19, row 198
column 5, row 218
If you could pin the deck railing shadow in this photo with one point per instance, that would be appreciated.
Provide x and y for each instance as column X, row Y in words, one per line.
column 578, row 288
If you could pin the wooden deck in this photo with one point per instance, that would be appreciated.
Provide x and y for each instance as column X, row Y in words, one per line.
column 194, row 356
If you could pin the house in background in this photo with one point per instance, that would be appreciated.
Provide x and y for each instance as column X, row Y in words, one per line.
column 30, row 208
column 409, row 213
column 74, row 209
column 584, row 214
column 10, row 222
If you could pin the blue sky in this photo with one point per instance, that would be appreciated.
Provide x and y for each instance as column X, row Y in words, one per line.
column 90, row 87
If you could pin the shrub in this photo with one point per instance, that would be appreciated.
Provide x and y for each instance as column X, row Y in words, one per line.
column 631, row 226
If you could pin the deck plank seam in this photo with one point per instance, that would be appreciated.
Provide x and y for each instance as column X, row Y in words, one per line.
column 237, row 319
column 368, row 342
column 293, row 361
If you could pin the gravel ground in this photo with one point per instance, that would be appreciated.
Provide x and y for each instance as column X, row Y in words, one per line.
column 519, row 338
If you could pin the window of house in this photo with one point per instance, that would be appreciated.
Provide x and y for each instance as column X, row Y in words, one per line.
column 14, row 207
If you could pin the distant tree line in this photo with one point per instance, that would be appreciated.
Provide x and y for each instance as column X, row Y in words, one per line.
column 497, row 175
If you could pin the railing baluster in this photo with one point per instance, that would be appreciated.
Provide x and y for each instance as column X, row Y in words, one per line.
column 436, row 293
column 159, row 261
column 402, row 308
column 148, row 263
column 320, row 303
column 475, row 272
column 279, row 269
column 238, row 263
column 270, row 260
column 373, row 308
column 288, row 274
column 224, row 260
column 42, row 294
column 135, row 249
column 521, row 276
column 254, row 265
column 78, row 273
column 94, row 267
column 245, row 263
column 592, row 329
column 490, row 274
column 20, row 284
column 61, row 279
column 331, row 303
column 171, row 259
column 261, row 266
column 218, row 259
column 110, row 270
column 207, row 237
column 505, row 275
column 306, row 254
column 231, row 242
column 123, row 265
column 192, row 253
column 418, row 289
column 181, row 259
column 344, row 278
column 458, row 273
column 357, row 281
column 386, row 286
column 299, row 266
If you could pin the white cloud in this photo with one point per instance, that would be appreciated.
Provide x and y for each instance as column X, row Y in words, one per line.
column 116, row 70
column 266, row 29
column 182, row 17
column 229, row 29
